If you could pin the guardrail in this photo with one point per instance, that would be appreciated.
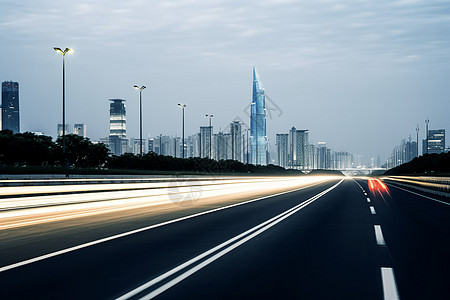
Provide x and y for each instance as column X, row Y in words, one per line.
column 441, row 184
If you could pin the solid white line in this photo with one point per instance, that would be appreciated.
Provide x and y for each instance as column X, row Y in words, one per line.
column 389, row 286
column 372, row 210
column 99, row 241
column 379, row 236
column 442, row 202
column 368, row 200
column 238, row 240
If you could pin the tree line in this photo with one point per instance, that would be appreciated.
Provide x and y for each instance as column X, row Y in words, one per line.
column 427, row 163
column 29, row 149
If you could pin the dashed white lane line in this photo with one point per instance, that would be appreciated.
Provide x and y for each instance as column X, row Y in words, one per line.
column 372, row 210
column 389, row 286
column 379, row 236
column 368, row 200
column 365, row 193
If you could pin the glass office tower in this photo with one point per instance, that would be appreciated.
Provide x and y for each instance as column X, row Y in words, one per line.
column 10, row 106
column 258, row 135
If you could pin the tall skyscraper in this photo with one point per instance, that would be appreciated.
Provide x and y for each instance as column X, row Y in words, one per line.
column 299, row 149
column 151, row 145
column 323, row 156
column 258, row 135
column 282, row 149
column 236, row 140
column 118, row 142
column 10, row 106
column 221, row 146
column 302, row 150
column 292, row 155
column 205, row 141
column 79, row 129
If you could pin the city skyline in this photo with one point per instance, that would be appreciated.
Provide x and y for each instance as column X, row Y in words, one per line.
column 348, row 71
column 307, row 156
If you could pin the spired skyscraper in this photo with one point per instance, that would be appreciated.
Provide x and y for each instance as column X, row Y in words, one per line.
column 10, row 106
column 258, row 134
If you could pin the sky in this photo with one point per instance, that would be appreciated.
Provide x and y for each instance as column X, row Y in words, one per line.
column 360, row 75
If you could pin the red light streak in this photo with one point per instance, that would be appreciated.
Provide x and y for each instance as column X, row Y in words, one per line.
column 376, row 185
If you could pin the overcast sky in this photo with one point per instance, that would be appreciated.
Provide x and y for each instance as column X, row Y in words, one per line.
column 358, row 74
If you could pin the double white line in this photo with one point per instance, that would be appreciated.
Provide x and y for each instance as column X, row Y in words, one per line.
column 213, row 254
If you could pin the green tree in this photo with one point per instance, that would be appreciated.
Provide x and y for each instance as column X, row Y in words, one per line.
column 25, row 149
column 80, row 152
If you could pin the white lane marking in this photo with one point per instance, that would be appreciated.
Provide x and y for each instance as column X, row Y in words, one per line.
column 379, row 236
column 372, row 210
column 368, row 200
column 442, row 202
column 238, row 240
column 99, row 241
column 365, row 193
column 389, row 286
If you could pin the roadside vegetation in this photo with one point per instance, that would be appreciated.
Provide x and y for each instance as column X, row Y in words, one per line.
column 427, row 164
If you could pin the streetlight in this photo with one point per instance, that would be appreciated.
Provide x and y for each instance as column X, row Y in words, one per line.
column 140, row 116
column 183, row 106
column 426, row 122
column 63, row 53
column 210, row 134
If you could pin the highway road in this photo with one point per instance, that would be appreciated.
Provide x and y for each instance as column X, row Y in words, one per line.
column 278, row 238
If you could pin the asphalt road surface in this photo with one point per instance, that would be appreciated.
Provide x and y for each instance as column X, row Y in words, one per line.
column 336, row 239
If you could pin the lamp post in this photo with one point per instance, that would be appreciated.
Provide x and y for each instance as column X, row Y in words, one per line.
column 210, row 134
column 63, row 53
column 426, row 122
column 183, row 106
column 417, row 140
column 140, row 116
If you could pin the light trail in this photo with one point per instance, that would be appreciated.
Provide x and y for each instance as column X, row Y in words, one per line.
column 434, row 183
column 17, row 212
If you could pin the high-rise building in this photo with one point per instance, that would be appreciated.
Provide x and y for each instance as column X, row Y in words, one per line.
column 134, row 145
column 299, row 149
column 79, row 129
column 222, row 146
column 236, row 140
column 10, row 106
column 118, row 142
column 323, row 156
column 282, row 149
column 436, row 141
column 410, row 150
column 258, row 135
column 164, row 145
column 292, row 155
column 302, row 149
column 59, row 130
column 205, row 141
column 151, row 145
column 342, row 160
column 192, row 145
